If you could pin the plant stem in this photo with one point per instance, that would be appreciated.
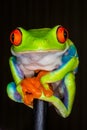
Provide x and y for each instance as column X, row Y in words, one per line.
column 40, row 115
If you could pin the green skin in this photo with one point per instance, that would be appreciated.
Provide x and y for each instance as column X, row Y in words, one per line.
column 45, row 41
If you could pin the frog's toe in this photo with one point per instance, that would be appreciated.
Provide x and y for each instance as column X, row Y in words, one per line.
column 12, row 92
column 48, row 93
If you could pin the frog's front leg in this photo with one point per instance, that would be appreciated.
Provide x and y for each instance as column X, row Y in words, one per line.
column 17, row 76
column 59, row 74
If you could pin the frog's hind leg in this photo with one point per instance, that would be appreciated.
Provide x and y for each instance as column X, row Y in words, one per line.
column 64, row 104
column 70, row 90
column 12, row 93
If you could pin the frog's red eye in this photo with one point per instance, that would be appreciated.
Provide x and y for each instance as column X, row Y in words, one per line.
column 16, row 37
column 62, row 34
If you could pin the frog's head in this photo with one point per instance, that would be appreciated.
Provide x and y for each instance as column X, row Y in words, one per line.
column 39, row 40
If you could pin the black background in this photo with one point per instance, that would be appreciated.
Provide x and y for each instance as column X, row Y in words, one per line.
column 39, row 14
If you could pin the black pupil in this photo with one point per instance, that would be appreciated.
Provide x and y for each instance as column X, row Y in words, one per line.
column 65, row 34
column 12, row 37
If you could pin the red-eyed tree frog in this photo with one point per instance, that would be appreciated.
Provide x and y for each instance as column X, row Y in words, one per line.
column 44, row 49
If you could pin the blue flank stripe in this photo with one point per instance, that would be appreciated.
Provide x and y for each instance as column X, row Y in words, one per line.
column 71, row 52
column 18, row 71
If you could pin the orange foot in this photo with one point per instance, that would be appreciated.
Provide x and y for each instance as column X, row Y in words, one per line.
column 32, row 88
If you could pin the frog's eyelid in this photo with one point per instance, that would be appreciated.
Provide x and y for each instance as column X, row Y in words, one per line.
column 16, row 37
column 62, row 34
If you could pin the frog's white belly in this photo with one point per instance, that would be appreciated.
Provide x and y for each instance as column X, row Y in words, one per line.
column 29, row 62
column 41, row 61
